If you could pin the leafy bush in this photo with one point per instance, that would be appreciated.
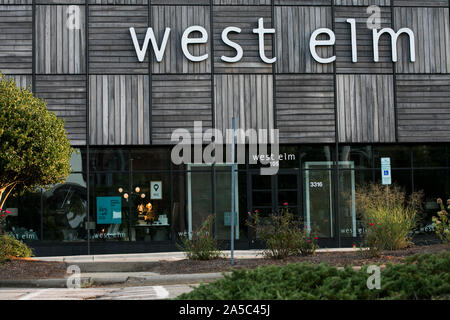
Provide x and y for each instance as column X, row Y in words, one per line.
column 202, row 245
column 10, row 247
column 282, row 234
column 388, row 216
column 420, row 277
column 441, row 223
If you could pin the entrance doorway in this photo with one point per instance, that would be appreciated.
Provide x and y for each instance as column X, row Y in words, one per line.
column 320, row 212
column 200, row 198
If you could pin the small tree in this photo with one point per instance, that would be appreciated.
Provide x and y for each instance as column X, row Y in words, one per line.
column 34, row 148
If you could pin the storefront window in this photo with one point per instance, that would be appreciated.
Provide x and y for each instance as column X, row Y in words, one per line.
column 109, row 208
column 361, row 156
column 151, row 159
column 24, row 223
column 426, row 156
column 425, row 180
column 179, row 212
column 65, row 210
column 350, row 183
column 109, row 159
column 151, row 210
column 400, row 155
column 316, row 153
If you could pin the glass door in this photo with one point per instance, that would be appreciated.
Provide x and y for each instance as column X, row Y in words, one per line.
column 319, row 210
column 200, row 198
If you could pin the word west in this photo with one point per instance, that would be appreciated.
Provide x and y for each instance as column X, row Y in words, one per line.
column 187, row 40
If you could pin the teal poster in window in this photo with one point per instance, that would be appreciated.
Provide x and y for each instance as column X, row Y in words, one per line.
column 109, row 210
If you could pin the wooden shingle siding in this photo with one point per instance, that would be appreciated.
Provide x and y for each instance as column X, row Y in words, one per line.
column 421, row 3
column 249, row 98
column 305, row 108
column 71, row 2
column 294, row 27
column 16, row 1
column 66, row 97
column 362, row 2
column 111, row 49
column 423, row 108
column 242, row 2
column 178, row 18
column 187, row 2
column 119, row 110
column 59, row 49
column 22, row 81
column 178, row 101
column 365, row 62
column 16, row 39
column 365, row 107
column 139, row 2
column 432, row 30
column 246, row 18
column 303, row 2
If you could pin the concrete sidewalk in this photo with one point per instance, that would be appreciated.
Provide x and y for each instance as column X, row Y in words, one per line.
column 168, row 256
column 116, row 278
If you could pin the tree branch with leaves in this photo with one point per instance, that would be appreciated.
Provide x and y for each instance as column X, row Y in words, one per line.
column 34, row 148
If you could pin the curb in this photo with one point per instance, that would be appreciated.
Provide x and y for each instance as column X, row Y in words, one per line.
column 120, row 279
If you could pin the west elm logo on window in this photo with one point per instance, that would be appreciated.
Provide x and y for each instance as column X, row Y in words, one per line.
column 187, row 40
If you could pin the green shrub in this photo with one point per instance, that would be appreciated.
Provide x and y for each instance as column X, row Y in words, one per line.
column 10, row 247
column 388, row 216
column 202, row 245
column 420, row 277
column 282, row 234
column 441, row 223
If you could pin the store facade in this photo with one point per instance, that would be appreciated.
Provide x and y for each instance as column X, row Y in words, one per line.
column 345, row 83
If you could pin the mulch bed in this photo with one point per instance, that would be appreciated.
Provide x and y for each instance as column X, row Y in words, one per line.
column 27, row 269
column 338, row 259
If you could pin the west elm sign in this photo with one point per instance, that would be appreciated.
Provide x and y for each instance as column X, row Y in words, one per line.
column 187, row 40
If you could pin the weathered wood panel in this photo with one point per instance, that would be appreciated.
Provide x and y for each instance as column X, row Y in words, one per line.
column 66, row 97
column 294, row 27
column 140, row 2
column 16, row 37
column 305, row 108
column 178, row 101
column 423, row 108
column 364, row 36
column 432, row 32
column 179, row 18
column 365, row 106
column 16, row 1
column 111, row 48
column 303, row 2
column 246, row 18
column 420, row 3
column 22, row 81
column 59, row 1
column 119, row 110
column 249, row 98
column 362, row 2
column 187, row 2
column 242, row 2
column 59, row 49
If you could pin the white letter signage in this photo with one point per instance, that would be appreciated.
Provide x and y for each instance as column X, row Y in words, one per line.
column 261, row 32
column 313, row 43
column 185, row 41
